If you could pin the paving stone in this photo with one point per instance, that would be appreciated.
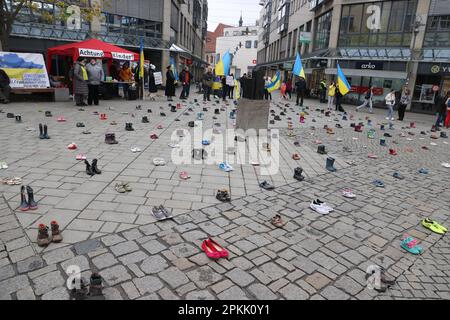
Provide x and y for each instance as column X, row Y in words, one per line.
column 154, row 264
column 79, row 261
column 233, row 293
column 272, row 271
column 261, row 292
column 240, row 277
column 14, row 284
column 148, row 284
column 104, row 261
column 204, row 277
column 87, row 246
column 26, row 294
column 333, row 293
column 184, row 250
column 115, row 275
column 123, row 248
column 293, row 292
column 45, row 283
column 58, row 255
column 130, row 290
column 200, row 295
column 57, row 294
column 173, row 277
column 153, row 246
column 317, row 280
column 21, row 254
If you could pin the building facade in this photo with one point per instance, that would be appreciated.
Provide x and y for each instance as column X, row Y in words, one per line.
column 242, row 43
column 384, row 44
column 161, row 24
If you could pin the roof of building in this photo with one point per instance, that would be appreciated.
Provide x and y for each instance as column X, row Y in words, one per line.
column 212, row 36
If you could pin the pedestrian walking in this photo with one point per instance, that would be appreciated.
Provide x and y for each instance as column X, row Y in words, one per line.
column 441, row 109
column 405, row 99
column 80, row 76
column 300, row 88
column 323, row 91
column 95, row 77
column 289, row 88
column 331, row 94
column 368, row 100
column 390, row 102
column 224, row 88
column 170, row 84
column 185, row 78
column 207, row 83
column 152, row 88
column 447, row 103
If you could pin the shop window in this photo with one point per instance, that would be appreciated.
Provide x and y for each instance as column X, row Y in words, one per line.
column 248, row 44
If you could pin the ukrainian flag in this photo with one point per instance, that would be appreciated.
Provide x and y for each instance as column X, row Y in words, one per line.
column 223, row 66
column 298, row 67
column 344, row 86
column 174, row 68
column 141, row 60
column 275, row 82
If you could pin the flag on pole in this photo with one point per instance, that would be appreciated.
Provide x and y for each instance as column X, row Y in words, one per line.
column 174, row 68
column 275, row 83
column 344, row 86
column 141, row 60
column 223, row 66
column 298, row 67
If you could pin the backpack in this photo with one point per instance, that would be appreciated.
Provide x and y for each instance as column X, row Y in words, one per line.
column 368, row 94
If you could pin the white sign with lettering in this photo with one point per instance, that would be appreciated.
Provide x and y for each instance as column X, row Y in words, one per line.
column 122, row 56
column 91, row 53
column 158, row 78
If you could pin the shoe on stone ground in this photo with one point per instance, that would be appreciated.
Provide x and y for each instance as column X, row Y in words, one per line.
column 348, row 193
column 43, row 238
column 266, row 185
column 298, row 174
column 397, row 175
column 277, row 221
column 223, row 195
column 56, row 233
column 318, row 207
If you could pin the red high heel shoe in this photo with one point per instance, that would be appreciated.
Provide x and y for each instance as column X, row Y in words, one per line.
column 217, row 248
column 209, row 252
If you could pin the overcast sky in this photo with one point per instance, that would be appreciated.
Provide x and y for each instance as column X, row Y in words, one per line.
column 229, row 11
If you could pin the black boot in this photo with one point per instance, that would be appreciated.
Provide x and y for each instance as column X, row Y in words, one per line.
column 298, row 174
column 24, row 206
column 41, row 132
column 89, row 170
column 31, row 203
column 321, row 149
column 173, row 109
column 110, row 138
column 96, row 285
column 330, row 164
column 129, row 126
column 46, row 136
column 145, row 120
column 94, row 167
column 18, row 118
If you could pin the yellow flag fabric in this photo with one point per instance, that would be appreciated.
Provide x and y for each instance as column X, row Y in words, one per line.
column 85, row 75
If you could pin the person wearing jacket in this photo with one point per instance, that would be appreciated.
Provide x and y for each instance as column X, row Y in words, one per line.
column 95, row 78
column 300, row 88
column 323, row 90
column 207, row 83
column 151, row 82
column 405, row 99
column 368, row 102
column 331, row 94
column 338, row 96
column 390, row 102
column 170, row 84
column 81, row 78
column 185, row 78
column 5, row 88
column 289, row 88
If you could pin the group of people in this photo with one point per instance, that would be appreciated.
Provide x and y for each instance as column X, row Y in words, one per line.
column 87, row 78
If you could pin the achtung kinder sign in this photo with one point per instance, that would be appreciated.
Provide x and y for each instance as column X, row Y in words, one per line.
column 90, row 53
column 122, row 56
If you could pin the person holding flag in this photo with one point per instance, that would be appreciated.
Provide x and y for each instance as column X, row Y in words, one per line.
column 342, row 88
column 300, row 85
column 272, row 84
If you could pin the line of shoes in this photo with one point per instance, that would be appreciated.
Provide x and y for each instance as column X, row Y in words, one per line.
column 81, row 290
column 44, row 238
column 30, row 203
column 123, row 187
column 92, row 169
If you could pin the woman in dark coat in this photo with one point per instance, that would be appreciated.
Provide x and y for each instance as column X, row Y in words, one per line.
column 170, row 84
column 151, row 82
column 80, row 82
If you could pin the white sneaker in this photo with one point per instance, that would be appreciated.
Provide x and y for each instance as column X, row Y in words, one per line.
column 324, row 205
column 348, row 193
column 159, row 162
column 446, row 165
column 318, row 208
column 135, row 149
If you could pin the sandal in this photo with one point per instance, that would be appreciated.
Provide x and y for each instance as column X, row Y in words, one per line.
column 127, row 187
column 410, row 245
column 158, row 213
column 184, row 175
column 80, row 157
column 277, row 221
column 120, row 188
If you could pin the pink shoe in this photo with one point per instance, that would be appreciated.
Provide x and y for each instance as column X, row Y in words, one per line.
column 81, row 157
column 61, row 119
column 209, row 252
column 72, row 146
column 159, row 126
column 184, row 175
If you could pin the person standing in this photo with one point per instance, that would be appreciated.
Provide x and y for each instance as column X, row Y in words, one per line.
column 331, row 94
column 80, row 76
column 170, row 84
column 390, row 102
column 447, row 104
column 126, row 76
column 441, row 109
column 405, row 99
column 207, row 83
column 231, row 87
column 289, row 88
column 267, row 94
column 300, row 87
column 185, row 78
column 368, row 102
column 5, row 88
column 224, row 88
column 151, row 82
column 95, row 78
column 323, row 90
column 242, row 81
column 283, row 90
column 338, row 96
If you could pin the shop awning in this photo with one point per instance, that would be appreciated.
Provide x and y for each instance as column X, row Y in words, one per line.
column 176, row 48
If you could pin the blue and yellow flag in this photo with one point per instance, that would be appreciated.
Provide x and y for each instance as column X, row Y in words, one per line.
column 173, row 67
column 222, row 68
column 275, row 82
column 141, row 60
column 344, row 86
column 298, row 67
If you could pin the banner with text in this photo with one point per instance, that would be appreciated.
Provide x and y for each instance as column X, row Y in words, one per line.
column 25, row 70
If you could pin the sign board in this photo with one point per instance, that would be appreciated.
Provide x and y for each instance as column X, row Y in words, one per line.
column 25, row 70
column 90, row 53
column 369, row 65
column 288, row 65
column 304, row 37
column 122, row 56
column 230, row 81
column 158, row 78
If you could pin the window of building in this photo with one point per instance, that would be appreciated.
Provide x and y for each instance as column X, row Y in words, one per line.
column 381, row 23
column 438, row 31
column 255, row 45
column 248, row 44
column 322, row 35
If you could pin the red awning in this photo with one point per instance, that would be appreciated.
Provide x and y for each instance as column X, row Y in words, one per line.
column 92, row 48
